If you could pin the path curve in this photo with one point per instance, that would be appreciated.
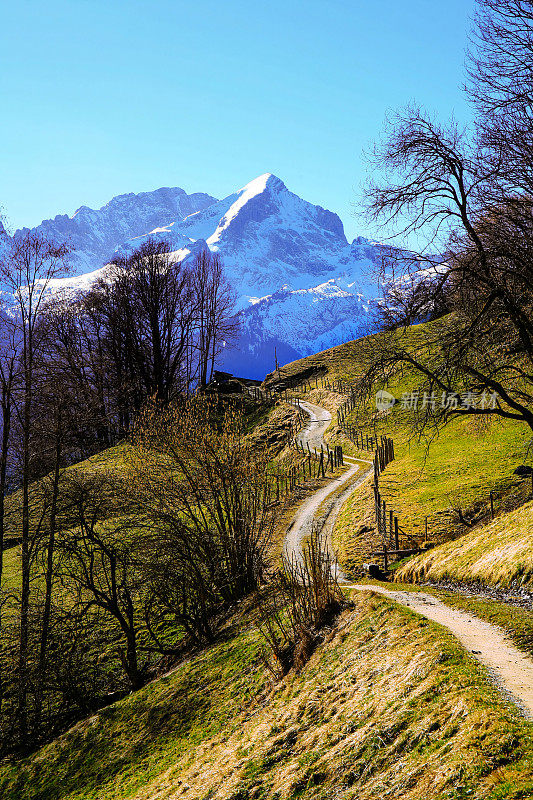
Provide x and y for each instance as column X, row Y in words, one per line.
column 301, row 526
column 510, row 669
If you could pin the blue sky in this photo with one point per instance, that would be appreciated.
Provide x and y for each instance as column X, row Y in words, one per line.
column 99, row 98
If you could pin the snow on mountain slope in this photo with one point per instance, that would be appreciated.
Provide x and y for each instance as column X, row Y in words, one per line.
column 297, row 323
column 269, row 237
column 96, row 233
column 301, row 286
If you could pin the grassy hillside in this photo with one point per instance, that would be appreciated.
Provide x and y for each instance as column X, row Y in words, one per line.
column 266, row 425
column 455, row 471
column 389, row 705
column 498, row 553
column 113, row 462
column 100, row 611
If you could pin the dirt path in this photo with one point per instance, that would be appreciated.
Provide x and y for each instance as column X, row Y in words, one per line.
column 510, row 669
column 301, row 525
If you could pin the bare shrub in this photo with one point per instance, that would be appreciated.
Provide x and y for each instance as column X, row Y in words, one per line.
column 200, row 486
column 297, row 603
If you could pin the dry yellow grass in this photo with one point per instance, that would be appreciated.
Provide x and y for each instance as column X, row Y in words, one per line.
column 390, row 706
column 375, row 715
column 498, row 553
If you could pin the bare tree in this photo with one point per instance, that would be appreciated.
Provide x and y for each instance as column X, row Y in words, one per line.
column 444, row 188
column 27, row 265
column 500, row 87
column 9, row 375
column 153, row 298
column 215, row 322
column 201, row 487
column 153, row 327
column 98, row 563
column 298, row 601
column 468, row 196
column 79, row 358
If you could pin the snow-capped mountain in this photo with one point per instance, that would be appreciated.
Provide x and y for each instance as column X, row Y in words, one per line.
column 298, row 323
column 95, row 234
column 269, row 238
column 301, row 286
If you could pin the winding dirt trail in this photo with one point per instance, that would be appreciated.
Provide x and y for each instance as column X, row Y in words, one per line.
column 301, row 525
column 509, row 668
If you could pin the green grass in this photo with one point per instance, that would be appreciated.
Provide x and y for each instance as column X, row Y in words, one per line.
column 460, row 469
column 113, row 462
column 390, row 700
column 456, row 470
column 125, row 745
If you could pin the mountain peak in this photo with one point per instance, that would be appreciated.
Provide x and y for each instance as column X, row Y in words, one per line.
column 265, row 181
column 95, row 233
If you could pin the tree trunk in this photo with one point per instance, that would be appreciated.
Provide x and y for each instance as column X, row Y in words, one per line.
column 6, row 425
column 25, row 544
column 49, row 563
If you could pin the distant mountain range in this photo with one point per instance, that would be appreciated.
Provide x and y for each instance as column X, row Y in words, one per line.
column 95, row 234
column 301, row 286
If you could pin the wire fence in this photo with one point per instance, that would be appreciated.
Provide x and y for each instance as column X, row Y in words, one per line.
column 314, row 463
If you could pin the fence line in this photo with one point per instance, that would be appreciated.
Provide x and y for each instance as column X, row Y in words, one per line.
column 331, row 458
column 395, row 540
column 315, row 463
column 279, row 486
column 361, row 440
column 310, row 384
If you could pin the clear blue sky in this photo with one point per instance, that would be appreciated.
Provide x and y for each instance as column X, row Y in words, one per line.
column 102, row 97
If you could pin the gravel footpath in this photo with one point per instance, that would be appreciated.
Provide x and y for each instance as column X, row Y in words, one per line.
column 510, row 669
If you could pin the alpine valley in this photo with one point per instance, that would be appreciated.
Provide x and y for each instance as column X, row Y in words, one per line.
column 301, row 286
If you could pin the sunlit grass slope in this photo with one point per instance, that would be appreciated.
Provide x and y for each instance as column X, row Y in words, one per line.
column 113, row 462
column 457, row 470
column 389, row 706
column 265, row 425
column 500, row 552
